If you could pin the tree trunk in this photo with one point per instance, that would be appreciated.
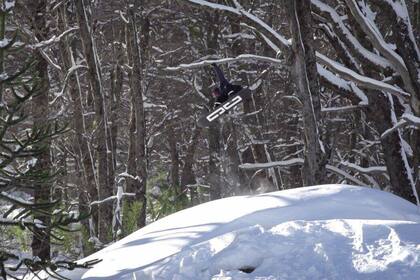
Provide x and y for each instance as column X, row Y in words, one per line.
column 380, row 112
column 214, row 161
column 95, row 80
column 173, row 150
column 307, row 85
column 88, row 186
column 188, row 177
column 2, row 34
column 140, row 122
column 214, row 133
column 408, row 48
column 41, row 246
column 117, row 77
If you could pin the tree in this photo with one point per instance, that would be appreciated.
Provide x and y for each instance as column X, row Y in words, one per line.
column 101, row 119
column 26, row 174
column 138, row 116
column 307, row 85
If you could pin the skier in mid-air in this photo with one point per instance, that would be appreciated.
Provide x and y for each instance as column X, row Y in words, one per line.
column 225, row 88
column 226, row 95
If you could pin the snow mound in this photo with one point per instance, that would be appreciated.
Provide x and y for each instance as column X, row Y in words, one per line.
column 321, row 232
column 332, row 249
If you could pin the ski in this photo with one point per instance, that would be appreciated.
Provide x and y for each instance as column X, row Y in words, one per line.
column 232, row 102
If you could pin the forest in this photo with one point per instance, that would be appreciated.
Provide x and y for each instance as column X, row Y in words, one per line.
column 100, row 102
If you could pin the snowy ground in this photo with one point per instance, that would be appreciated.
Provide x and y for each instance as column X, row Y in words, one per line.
column 322, row 232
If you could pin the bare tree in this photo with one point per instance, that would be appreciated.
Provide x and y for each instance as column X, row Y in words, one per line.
column 136, row 88
column 95, row 81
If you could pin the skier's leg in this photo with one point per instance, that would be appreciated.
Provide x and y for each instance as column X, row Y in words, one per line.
column 233, row 89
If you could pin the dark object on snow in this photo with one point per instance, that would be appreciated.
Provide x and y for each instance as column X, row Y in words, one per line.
column 247, row 269
column 225, row 89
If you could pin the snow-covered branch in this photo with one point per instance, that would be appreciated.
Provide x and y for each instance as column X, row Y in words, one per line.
column 250, row 18
column 53, row 39
column 242, row 57
column 50, row 60
column 118, row 196
column 285, row 163
column 13, row 222
column 344, row 174
column 298, row 161
column 360, row 80
column 371, row 30
column 197, row 89
column 216, row 6
column 343, row 109
column 346, row 35
column 373, row 170
column 406, row 119
column 69, row 73
column 348, row 87
column 127, row 175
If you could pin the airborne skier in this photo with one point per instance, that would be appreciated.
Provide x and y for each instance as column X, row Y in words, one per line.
column 225, row 88
column 226, row 96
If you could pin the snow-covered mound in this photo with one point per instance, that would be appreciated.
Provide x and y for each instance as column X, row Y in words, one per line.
column 322, row 232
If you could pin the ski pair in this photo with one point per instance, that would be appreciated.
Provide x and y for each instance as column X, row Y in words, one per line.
column 233, row 100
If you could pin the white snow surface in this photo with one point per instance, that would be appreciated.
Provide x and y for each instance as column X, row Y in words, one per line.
column 321, row 232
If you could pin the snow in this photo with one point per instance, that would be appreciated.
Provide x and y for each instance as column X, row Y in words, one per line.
column 54, row 39
column 254, row 166
column 413, row 119
column 215, row 6
column 3, row 76
column 242, row 57
column 4, row 42
column 8, row 5
column 240, row 35
column 359, row 79
column 370, row 56
column 408, row 170
column 341, row 83
column 239, row 10
column 320, row 232
column 371, row 30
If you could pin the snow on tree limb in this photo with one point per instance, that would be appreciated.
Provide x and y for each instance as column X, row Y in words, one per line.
column 343, row 84
column 215, row 6
column 360, row 80
column 343, row 109
column 400, row 9
column 337, row 68
column 298, row 161
column 285, row 42
column 70, row 71
column 240, row 11
column 197, row 89
column 12, row 222
column 53, row 39
column 406, row 119
column 373, row 170
column 112, row 198
column 270, row 43
column 371, row 30
column 409, row 172
column 344, row 174
column 350, row 40
column 285, row 163
column 242, row 57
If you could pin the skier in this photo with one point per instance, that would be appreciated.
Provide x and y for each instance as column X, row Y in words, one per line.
column 225, row 89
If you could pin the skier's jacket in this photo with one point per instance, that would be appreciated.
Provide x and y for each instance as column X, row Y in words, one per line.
column 225, row 88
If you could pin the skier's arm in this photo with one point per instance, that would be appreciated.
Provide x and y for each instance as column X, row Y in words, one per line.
column 219, row 74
